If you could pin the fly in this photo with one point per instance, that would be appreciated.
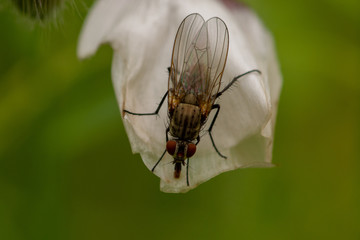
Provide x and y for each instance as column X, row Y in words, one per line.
column 198, row 60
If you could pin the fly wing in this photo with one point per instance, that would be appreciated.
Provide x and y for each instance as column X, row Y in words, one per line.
column 183, row 47
column 199, row 57
column 216, row 35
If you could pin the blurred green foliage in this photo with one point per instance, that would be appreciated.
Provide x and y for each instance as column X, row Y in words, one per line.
column 66, row 167
column 38, row 9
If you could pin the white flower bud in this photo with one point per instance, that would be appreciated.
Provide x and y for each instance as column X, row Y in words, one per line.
column 142, row 33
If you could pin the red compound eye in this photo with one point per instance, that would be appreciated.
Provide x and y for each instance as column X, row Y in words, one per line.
column 191, row 150
column 171, row 147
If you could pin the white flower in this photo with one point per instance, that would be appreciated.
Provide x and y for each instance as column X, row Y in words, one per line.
column 142, row 33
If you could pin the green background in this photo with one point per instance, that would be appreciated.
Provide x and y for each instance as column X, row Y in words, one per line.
column 66, row 167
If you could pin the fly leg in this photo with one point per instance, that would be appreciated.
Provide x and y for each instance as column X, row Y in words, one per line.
column 197, row 140
column 166, row 133
column 158, row 161
column 187, row 163
column 187, row 172
column 233, row 81
column 217, row 106
column 153, row 113
column 158, row 108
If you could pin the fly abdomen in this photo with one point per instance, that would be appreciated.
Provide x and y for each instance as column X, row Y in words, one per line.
column 185, row 122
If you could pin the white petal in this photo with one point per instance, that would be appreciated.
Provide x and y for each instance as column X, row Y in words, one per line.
column 141, row 33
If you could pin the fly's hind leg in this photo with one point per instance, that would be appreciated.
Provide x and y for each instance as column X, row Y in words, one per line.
column 233, row 81
column 153, row 113
column 217, row 107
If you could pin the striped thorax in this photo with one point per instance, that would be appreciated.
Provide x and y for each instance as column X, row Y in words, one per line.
column 185, row 122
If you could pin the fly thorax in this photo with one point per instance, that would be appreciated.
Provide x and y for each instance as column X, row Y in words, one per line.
column 185, row 122
column 190, row 99
column 205, row 110
column 173, row 102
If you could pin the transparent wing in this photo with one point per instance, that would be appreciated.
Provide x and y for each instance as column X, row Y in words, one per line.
column 199, row 57
column 183, row 46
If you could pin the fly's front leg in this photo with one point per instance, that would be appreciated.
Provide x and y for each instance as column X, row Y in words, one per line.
column 153, row 113
column 187, row 163
column 158, row 161
column 217, row 107
column 197, row 140
column 166, row 133
column 187, row 172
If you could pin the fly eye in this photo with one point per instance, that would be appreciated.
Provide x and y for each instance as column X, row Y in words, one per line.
column 171, row 147
column 191, row 149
